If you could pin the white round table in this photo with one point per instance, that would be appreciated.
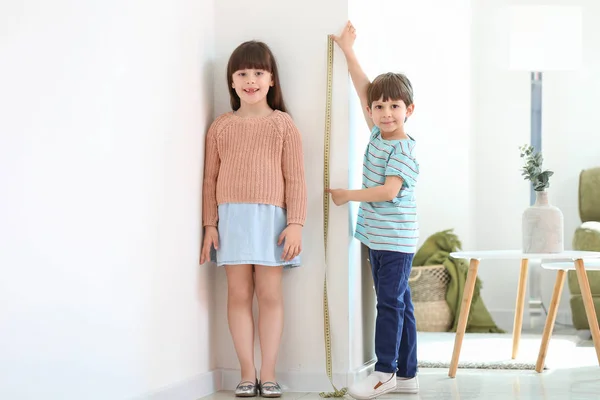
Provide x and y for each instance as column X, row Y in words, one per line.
column 591, row 265
column 568, row 259
column 581, row 267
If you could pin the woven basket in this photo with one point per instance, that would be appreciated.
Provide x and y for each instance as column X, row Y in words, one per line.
column 428, row 287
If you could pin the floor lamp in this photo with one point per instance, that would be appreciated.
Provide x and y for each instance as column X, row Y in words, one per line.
column 542, row 38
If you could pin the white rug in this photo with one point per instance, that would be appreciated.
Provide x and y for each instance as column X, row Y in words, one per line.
column 493, row 351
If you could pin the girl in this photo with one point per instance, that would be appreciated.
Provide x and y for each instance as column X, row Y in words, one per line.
column 254, row 207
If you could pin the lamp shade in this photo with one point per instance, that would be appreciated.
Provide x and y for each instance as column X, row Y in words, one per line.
column 545, row 38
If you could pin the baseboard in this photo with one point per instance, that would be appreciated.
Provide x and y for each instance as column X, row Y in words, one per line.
column 227, row 379
column 505, row 319
column 361, row 372
column 190, row 389
column 304, row 381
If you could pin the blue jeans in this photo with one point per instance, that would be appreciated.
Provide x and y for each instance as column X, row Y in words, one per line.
column 395, row 327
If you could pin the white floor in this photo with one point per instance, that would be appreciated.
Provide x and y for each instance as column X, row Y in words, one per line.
column 567, row 383
column 564, row 384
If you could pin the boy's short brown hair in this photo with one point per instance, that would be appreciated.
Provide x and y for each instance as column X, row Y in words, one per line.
column 390, row 86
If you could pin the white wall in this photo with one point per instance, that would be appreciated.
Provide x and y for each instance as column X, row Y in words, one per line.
column 501, row 125
column 297, row 34
column 104, row 108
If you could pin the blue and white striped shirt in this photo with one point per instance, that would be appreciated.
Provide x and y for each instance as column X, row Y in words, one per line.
column 389, row 225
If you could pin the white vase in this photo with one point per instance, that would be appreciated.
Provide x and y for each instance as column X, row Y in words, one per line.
column 543, row 227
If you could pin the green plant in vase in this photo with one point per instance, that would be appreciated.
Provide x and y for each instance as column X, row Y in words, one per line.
column 532, row 170
column 543, row 230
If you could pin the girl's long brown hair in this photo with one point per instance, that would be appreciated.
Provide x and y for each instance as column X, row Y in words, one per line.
column 255, row 55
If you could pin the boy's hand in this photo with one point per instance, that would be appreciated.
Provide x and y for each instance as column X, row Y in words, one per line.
column 339, row 196
column 211, row 238
column 346, row 38
column 292, row 235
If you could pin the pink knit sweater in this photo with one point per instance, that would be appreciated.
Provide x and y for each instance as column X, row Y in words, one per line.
column 254, row 160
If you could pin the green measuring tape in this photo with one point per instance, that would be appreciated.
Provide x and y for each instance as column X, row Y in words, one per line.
column 337, row 392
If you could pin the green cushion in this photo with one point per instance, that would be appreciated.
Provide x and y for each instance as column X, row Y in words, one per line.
column 587, row 238
column 589, row 194
column 578, row 312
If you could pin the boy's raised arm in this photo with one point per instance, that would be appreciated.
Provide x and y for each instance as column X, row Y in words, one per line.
column 360, row 80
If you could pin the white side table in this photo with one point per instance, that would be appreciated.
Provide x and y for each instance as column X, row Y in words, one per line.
column 588, row 303
column 476, row 256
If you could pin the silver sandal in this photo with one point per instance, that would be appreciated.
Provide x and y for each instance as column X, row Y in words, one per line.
column 270, row 389
column 246, row 389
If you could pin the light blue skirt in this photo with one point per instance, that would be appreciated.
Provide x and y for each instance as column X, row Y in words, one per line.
column 248, row 234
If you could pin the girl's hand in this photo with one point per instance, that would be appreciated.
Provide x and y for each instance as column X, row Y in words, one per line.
column 292, row 235
column 339, row 196
column 211, row 238
column 346, row 38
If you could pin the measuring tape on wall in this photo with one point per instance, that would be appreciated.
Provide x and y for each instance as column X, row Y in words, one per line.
column 337, row 392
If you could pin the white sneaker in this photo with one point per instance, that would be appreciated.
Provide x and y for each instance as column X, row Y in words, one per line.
column 407, row 385
column 372, row 386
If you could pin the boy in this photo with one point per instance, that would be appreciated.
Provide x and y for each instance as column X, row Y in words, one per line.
column 387, row 223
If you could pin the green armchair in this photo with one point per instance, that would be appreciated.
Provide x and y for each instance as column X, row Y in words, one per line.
column 587, row 237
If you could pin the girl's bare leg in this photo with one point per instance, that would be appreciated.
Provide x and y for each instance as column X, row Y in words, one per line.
column 240, row 292
column 270, row 320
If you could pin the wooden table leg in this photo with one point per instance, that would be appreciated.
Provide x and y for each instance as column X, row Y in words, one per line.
column 464, row 315
column 558, row 286
column 520, row 305
column 588, row 302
